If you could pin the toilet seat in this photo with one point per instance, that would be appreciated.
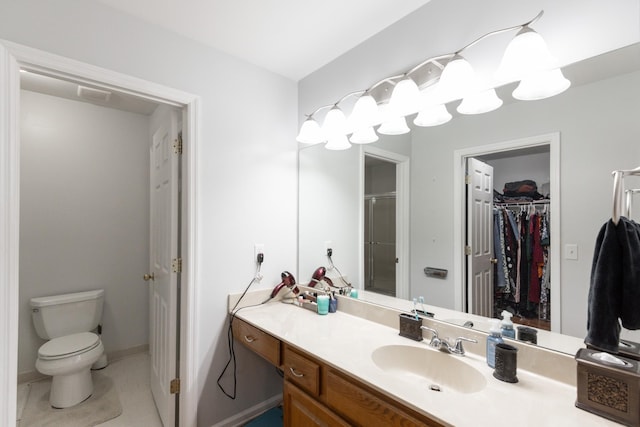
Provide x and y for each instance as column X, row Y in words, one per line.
column 68, row 346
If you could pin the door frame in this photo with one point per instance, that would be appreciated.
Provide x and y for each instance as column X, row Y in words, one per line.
column 402, row 215
column 14, row 56
column 459, row 163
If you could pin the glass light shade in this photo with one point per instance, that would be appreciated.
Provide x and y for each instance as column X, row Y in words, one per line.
column 527, row 53
column 432, row 116
column 543, row 84
column 310, row 132
column 456, row 80
column 405, row 98
column 394, row 126
column 337, row 142
column 335, row 123
column 364, row 136
column 365, row 113
column 480, row 102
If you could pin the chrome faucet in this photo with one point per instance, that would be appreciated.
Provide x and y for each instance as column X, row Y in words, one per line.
column 446, row 344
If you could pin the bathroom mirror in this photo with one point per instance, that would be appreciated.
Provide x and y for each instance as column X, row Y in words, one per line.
column 598, row 132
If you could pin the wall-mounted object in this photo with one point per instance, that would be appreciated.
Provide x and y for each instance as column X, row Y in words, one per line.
column 438, row 273
column 427, row 87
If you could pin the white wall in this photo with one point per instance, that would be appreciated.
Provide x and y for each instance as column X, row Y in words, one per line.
column 84, row 214
column 535, row 167
column 246, row 172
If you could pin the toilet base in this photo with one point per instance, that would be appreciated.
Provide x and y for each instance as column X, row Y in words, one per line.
column 69, row 390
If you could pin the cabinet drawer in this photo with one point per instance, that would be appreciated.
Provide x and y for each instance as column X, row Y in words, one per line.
column 362, row 406
column 260, row 342
column 302, row 371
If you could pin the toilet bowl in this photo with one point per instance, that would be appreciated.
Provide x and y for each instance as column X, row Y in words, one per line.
column 68, row 360
column 65, row 320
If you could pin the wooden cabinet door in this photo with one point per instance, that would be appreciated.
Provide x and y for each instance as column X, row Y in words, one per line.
column 300, row 410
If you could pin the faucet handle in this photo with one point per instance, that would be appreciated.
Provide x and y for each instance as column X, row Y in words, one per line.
column 435, row 340
column 458, row 344
column 433, row 331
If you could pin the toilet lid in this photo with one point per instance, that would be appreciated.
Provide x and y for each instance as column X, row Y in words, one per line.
column 68, row 345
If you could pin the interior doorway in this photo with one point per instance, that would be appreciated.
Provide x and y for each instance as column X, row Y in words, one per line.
column 380, row 226
column 14, row 57
column 497, row 153
column 385, row 222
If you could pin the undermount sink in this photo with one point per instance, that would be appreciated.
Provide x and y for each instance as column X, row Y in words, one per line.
column 439, row 371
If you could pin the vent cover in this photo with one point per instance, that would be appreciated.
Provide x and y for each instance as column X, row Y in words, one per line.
column 93, row 94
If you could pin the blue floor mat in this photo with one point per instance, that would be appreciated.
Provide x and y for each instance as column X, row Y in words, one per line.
column 271, row 418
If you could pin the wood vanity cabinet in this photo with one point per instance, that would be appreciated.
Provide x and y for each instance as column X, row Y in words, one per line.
column 260, row 342
column 316, row 394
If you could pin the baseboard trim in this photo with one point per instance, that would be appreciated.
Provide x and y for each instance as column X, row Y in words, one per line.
column 119, row 354
column 249, row 413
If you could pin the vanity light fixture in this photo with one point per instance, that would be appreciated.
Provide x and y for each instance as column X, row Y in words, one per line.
column 429, row 86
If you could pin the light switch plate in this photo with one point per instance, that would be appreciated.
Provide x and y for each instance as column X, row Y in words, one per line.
column 571, row 251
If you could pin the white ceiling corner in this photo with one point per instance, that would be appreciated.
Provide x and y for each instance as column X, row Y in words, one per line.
column 292, row 38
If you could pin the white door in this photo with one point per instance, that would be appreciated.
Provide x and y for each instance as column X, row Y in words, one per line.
column 479, row 238
column 164, row 249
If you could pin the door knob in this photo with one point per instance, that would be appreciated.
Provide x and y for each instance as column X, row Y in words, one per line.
column 493, row 260
column 148, row 277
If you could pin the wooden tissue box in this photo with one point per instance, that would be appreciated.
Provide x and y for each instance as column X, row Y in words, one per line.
column 609, row 390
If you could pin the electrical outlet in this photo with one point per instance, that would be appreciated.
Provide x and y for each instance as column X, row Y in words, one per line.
column 258, row 248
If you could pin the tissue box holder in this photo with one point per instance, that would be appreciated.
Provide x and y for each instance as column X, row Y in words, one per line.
column 609, row 390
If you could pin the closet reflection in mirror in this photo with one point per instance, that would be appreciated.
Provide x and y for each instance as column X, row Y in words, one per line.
column 597, row 129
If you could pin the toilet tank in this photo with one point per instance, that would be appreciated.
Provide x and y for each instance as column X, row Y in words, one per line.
column 58, row 315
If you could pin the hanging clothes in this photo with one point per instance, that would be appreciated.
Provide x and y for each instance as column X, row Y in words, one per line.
column 521, row 248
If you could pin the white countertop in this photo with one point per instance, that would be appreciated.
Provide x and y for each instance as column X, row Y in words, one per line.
column 347, row 342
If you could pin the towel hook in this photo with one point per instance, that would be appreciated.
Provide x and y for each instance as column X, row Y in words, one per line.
column 618, row 191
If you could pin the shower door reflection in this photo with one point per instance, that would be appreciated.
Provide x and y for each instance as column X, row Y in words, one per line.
column 380, row 243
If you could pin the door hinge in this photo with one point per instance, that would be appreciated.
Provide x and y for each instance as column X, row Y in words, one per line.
column 176, row 265
column 467, row 250
column 467, row 179
column 177, row 144
column 174, row 387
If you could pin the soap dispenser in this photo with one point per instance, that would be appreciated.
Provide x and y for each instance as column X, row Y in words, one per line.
column 493, row 339
column 507, row 325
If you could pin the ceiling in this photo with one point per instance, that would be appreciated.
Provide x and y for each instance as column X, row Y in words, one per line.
column 292, row 38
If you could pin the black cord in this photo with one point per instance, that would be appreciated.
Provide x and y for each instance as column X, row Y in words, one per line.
column 230, row 341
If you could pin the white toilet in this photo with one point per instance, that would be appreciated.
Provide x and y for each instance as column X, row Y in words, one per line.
column 66, row 321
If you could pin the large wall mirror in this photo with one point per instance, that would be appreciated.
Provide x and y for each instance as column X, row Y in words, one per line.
column 593, row 128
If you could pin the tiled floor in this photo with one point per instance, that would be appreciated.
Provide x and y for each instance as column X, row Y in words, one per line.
column 131, row 378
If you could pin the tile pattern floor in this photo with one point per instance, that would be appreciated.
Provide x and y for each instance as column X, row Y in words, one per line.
column 131, row 377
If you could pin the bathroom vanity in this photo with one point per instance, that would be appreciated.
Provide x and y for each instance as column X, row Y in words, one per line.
column 352, row 368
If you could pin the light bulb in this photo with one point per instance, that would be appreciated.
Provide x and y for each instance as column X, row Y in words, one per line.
column 337, row 142
column 364, row 136
column 543, row 84
column 365, row 113
column 335, row 123
column 480, row 102
column 394, row 126
column 310, row 132
column 527, row 53
column 434, row 115
column 456, row 80
column 404, row 98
